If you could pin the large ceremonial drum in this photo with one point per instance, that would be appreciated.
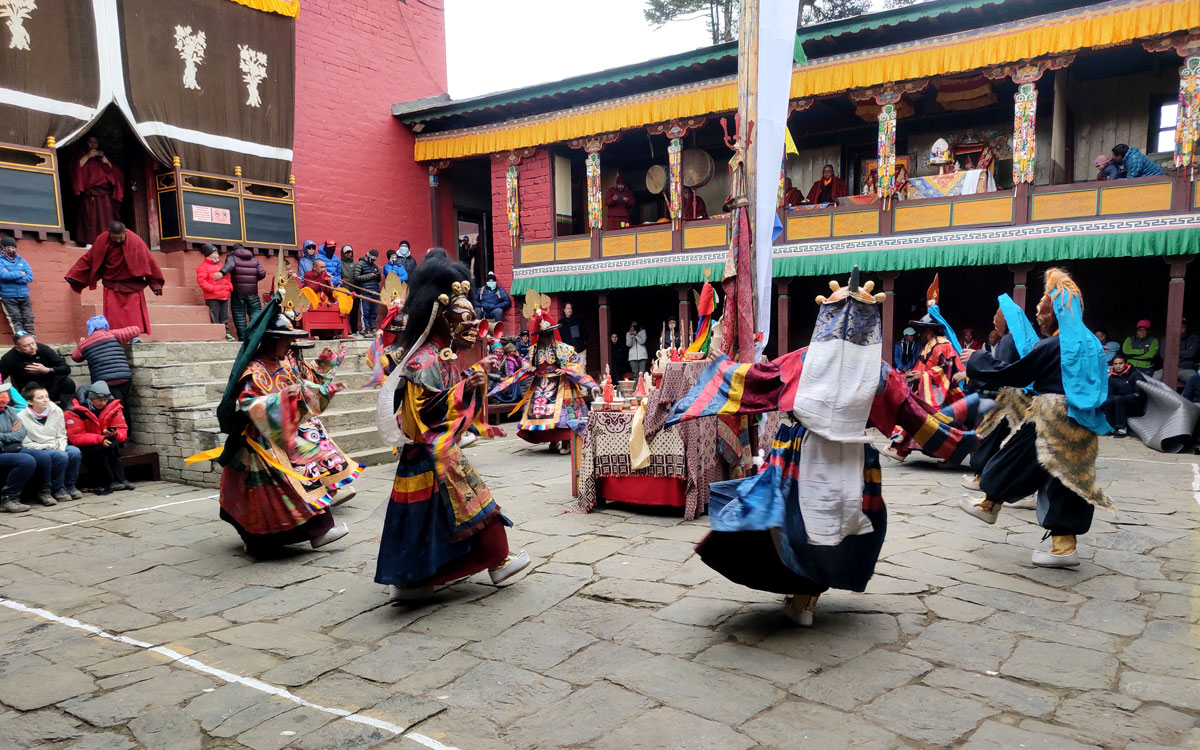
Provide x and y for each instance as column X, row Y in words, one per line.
column 656, row 178
column 697, row 167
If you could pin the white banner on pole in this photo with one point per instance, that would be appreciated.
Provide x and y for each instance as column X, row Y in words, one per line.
column 776, row 45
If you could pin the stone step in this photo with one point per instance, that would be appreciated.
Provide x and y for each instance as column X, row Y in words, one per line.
column 181, row 352
column 180, row 331
column 374, row 456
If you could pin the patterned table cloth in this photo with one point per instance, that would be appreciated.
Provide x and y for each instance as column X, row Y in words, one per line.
column 967, row 182
column 605, row 453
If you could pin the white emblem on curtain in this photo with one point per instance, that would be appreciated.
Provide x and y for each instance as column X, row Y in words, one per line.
column 191, row 51
column 14, row 13
column 254, row 71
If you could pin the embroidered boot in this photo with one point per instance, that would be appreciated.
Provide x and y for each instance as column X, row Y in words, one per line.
column 985, row 510
column 334, row 534
column 1062, row 553
column 799, row 609
column 507, row 570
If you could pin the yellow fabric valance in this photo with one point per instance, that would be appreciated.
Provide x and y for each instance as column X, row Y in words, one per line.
column 1058, row 34
column 290, row 8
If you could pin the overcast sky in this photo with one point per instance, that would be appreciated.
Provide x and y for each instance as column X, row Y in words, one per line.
column 494, row 45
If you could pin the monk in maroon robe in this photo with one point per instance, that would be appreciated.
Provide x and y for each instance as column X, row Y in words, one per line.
column 620, row 202
column 791, row 194
column 829, row 188
column 100, row 188
column 123, row 262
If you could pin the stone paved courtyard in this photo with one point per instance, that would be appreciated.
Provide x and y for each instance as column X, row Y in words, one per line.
column 619, row 639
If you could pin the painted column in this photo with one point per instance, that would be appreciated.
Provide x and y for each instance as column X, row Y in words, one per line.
column 1187, row 127
column 605, row 332
column 595, row 200
column 1175, row 291
column 675, row 180
column 513, row 201
column 1024, row 132
column 784, row 313
column 1020, row 277
column 434, row 209
column 886, row 163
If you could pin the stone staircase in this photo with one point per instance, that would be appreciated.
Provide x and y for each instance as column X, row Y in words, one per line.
column 178, row 315
column 177, row 386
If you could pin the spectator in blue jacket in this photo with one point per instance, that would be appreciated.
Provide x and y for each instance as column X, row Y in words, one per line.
column 493, row 300
column 1134, row 163
column 905, row 351
column 394, row 266
column 333, row 262
column 15, row 278
column 307, row 255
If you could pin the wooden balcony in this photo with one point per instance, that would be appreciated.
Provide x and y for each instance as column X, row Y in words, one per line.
column 1022, row 206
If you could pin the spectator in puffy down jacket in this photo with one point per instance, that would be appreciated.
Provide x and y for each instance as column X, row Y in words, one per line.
column 216, row 287
column 394, row 266
column 307, row 255
column 351, row 281
column 15, row 278
column 368, row 275
column 97, row 428
column 245, row 271
column 333, row 262
column 492, row 299
column 104, row 351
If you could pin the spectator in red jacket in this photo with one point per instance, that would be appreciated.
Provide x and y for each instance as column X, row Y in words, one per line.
column 216, row 286
column 97, row 428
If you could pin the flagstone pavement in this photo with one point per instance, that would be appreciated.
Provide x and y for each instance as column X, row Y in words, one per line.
column 151, row 629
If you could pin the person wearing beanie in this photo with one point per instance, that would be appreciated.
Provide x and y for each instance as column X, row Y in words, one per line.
column 216, row 286
column 351, row 281
column 15, row 278
column 104, row 351
column 245, row 271
column 333, row 261
column 1141, row 349
column 395, row 267
column 405, row 258
column 96, row 426
column 369, row 280
column 492, row 300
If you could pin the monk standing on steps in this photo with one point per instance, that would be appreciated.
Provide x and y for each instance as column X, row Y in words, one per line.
column 123, row 262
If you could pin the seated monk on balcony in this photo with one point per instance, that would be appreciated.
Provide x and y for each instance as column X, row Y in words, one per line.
column 791, row 194
column 619, row 201
column 829, row 188
column 693, row 205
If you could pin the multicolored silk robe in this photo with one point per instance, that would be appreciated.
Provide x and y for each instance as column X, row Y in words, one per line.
column 556, row 399
column 438, row 500
column 283, row 476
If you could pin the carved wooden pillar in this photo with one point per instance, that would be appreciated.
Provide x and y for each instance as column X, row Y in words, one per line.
column 684, row 313
column 888, row 285
column 605, row 333
column 434, row 202
column 675, row 130
column 593, row 145
column 1020, row 277
column 1026, row 76
column 782, row 343
column 1175, row 289
column 1187, row 124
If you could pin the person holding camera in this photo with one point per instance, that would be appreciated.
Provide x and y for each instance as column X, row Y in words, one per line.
column 635, row 339
column 97, row 428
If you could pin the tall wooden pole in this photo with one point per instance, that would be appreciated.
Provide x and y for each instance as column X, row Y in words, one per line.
column 748, row 113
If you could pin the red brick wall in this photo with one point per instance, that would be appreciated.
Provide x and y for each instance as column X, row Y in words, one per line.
column 356, row 180
column 537, row 219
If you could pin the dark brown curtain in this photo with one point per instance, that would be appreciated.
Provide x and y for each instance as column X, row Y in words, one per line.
column 219, row 108
column 60, row 65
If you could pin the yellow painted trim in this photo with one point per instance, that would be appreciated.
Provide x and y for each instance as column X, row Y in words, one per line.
column 956, row 54
column 622, row 244
column 856, row 223
column 912, row 218
column 290, row 8
column 573, row 249
column 1135, row 199
column 537, row 252
column 1071, row 204
column 990, row 211
column 815, row 226
column 658, row 241
column 710, row 236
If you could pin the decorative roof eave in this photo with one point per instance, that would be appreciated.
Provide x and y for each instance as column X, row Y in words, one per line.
column 1101, row 25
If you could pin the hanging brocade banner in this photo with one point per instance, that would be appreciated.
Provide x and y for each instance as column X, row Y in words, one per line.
column 675, row 174
column 1024, row 133
column 1187, row 127
column 514, row 205
column 885, row 168
column 595, row 198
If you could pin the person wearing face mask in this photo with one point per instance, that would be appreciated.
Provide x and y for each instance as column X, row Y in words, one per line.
column 394, row 267
column 18, row 468
column 492, row 300
column 404, row 258
column 307, row 256
column 46, row 437
column 333, row 261
column 15, row 278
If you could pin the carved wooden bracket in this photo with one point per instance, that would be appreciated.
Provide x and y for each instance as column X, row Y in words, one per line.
column 676, row 128
column 1029, row 71
column 889, row 94
column 799, row 105
column 514, row 157
column 594, row 143
column 1185, row 45
column 438, row 166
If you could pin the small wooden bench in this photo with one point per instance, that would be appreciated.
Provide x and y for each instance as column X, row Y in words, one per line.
column 134, row 457
column 498, row 411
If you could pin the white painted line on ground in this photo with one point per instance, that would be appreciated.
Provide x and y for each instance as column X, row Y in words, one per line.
column 109, row 517
column 221, row 674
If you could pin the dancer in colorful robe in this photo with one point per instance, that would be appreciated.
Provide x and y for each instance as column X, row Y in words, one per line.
column 282, row 471
column 556, row 398
column 442, row 523
column 1053, row 448
column 814, row 517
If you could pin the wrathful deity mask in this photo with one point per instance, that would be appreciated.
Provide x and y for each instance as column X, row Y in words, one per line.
column 459, row 316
